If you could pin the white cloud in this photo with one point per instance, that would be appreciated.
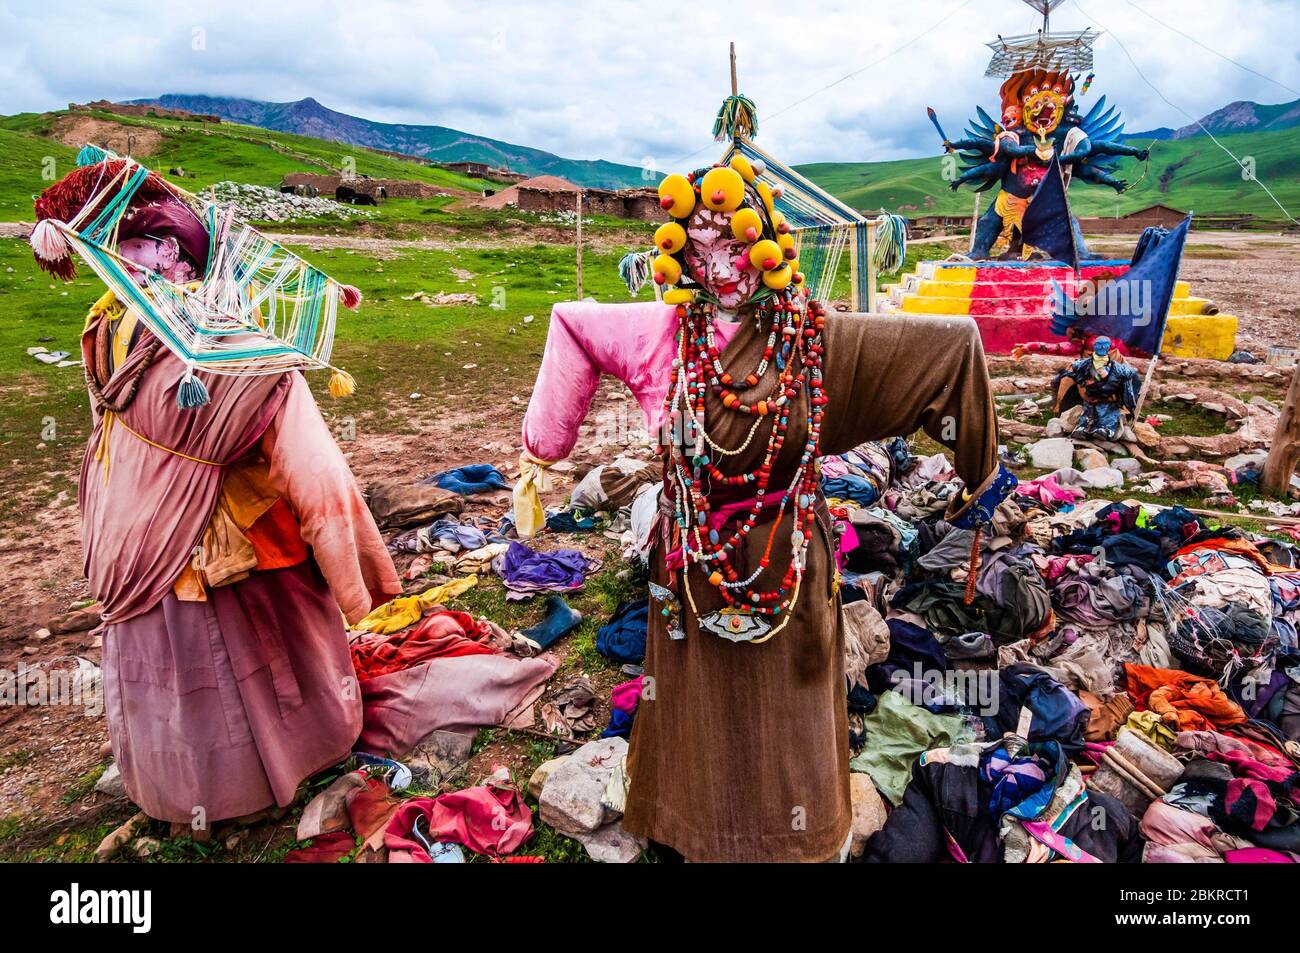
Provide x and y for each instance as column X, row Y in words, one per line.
column 630, row 81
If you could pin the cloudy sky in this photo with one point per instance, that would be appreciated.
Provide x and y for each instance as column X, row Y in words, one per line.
column 637, row 82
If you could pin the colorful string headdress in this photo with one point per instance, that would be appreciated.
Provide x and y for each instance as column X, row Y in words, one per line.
column 254, row 308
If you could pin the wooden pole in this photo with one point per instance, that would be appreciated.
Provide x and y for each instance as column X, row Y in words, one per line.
column 735, row 89
column 870, row 265
column 974, row 220
column 579, row 244
column 1285, row 450
column 1146, row 385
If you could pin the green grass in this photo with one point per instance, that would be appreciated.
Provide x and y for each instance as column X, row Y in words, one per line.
column 1203, row 179
column 30, row 166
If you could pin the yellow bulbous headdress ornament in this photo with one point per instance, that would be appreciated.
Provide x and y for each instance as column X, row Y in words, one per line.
column 734, row 189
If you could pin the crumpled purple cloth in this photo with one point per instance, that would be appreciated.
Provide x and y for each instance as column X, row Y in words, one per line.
column 527, row 572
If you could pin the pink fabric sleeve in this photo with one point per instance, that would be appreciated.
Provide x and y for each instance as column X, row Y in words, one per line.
column 633, row 342
column 308, row 468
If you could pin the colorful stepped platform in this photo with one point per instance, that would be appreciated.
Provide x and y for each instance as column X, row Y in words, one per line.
column 1010, row 301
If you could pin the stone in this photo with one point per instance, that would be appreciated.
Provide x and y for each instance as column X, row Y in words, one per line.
column 1087, row 458
column 327, row 811
column 1054, row 428
column 437, row 755
column 78, row 620
column 110, row 783
column 1146, row 434
column 611, row 844
column 538, row 779
column 868, row 811
column 1255, row 459
column 1101, row 478
column 1052, row 453
column 121, row 836
column 572, row 797
column 1129, row 466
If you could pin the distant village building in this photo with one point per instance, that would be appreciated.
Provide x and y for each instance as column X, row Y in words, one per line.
column 329, row 185
column 481, row 170
column 1134, row 222
column 550, row 193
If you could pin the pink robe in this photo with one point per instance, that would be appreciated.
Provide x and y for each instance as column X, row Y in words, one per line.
column 221, row 708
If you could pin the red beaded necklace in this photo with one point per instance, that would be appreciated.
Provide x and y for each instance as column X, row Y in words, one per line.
column 795, row 344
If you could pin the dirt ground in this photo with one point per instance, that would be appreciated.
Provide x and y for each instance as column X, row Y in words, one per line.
column 75, row 131
column 47, row 753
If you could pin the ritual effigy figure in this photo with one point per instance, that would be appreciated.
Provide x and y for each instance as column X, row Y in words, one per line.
column 224, row 536
column 1105, row 386
column 1040, row 122
column 740, row 749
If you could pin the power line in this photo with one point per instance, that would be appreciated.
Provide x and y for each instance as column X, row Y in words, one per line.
column 1210, row 49
column 1240, row 164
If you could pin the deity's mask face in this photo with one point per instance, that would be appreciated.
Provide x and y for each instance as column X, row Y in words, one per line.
column 718, row 261
column 1011, row 117
column 1044, row 109
column 1101, row 347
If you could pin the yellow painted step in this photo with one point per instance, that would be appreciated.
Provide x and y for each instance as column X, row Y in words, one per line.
column 1188, row 305
column 944, row 289
column 1210, row 336
column 927, row 304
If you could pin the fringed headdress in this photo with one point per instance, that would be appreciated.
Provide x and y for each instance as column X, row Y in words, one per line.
column 257, row 309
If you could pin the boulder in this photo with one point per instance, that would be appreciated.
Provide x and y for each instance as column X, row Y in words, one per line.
column 437, row 755
column 868, row 811
column 538, row 779
column 1101, row 478
column 111, row 784
column 1145, row 434
column 611, row 844
column 573, row 795
column 1088, row 458
column 75, row 620
column 1129, row 466
column 1052, row 453
column 1255, row 459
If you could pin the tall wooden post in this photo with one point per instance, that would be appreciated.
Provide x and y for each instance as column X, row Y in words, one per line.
column 735, row 89
column 870, row 264
column 1284, row 453
column 579, row 244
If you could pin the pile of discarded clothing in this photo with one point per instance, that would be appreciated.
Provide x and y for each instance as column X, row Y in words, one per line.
column 1108, row 659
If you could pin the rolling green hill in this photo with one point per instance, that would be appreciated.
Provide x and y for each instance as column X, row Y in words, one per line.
column 1185, row 173
column 208, row 152
column 1191, row 174
column 309, row 118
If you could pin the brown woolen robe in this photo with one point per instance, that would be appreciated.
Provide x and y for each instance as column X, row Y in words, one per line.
column 739, row 752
